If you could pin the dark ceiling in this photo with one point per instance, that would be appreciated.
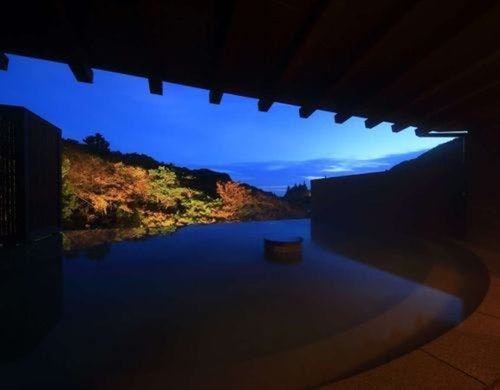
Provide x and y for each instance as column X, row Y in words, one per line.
column 433, row 64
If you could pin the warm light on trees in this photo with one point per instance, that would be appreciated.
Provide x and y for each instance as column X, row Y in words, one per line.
column 69, row 200
column 98, row 191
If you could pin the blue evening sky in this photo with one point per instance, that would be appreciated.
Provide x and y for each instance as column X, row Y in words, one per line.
column 270, row 150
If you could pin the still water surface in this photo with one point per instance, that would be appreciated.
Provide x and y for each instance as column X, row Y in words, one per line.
column 203, row 308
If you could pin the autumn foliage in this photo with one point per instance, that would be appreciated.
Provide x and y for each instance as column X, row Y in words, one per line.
column 241, row 202
column 101, row 192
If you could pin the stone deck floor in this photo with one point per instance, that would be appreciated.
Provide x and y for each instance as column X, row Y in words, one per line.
column 466, row 357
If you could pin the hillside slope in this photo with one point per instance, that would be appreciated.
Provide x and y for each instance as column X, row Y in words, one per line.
column 112, row 189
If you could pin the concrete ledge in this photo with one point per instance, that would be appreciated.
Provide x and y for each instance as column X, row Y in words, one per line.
column 466, row 357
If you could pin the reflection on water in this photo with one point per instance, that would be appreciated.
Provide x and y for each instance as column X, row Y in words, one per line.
column 96, row 243
column 30, row 296
column 414, row 259
column 203, row 308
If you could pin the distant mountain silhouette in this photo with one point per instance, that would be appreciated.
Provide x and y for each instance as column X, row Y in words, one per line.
column 447, row 156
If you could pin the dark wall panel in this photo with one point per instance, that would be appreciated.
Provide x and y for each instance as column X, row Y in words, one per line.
column 425, row 196
column 30, row 165
column 483, row 206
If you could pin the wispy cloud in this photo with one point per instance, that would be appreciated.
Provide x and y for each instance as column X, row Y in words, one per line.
column 336, row 168
column 374, row 163
column 277, row 167
column 275, row 176
column 353, row 165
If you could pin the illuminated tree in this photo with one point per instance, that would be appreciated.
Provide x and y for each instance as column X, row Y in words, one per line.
column 236, row 200
column 69, row 200
column 100, row 192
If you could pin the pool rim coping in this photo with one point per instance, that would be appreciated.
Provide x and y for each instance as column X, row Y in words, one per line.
column 377, row 376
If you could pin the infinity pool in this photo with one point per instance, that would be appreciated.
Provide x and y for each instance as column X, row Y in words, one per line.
column 203, row 308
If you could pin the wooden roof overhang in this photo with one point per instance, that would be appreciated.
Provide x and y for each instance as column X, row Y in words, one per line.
column 432, row 64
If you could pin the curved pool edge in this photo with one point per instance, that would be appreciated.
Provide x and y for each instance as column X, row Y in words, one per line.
column 466, row 356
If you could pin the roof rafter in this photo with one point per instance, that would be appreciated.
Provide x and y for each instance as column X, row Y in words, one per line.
column 391, row 20
column 215, row 96
column 275, row 77
column 82, row 71
column 224, row 10
column 264, row 105
column 475, row 92
column 397, row 127
column 449, row 30
column 426, row 93
column 306, row 112
column 151, row 32
column 155, row 85
column 423, row 63
column 341, row 117
column 370, row 123
column 78, row 59
column 4, row 62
